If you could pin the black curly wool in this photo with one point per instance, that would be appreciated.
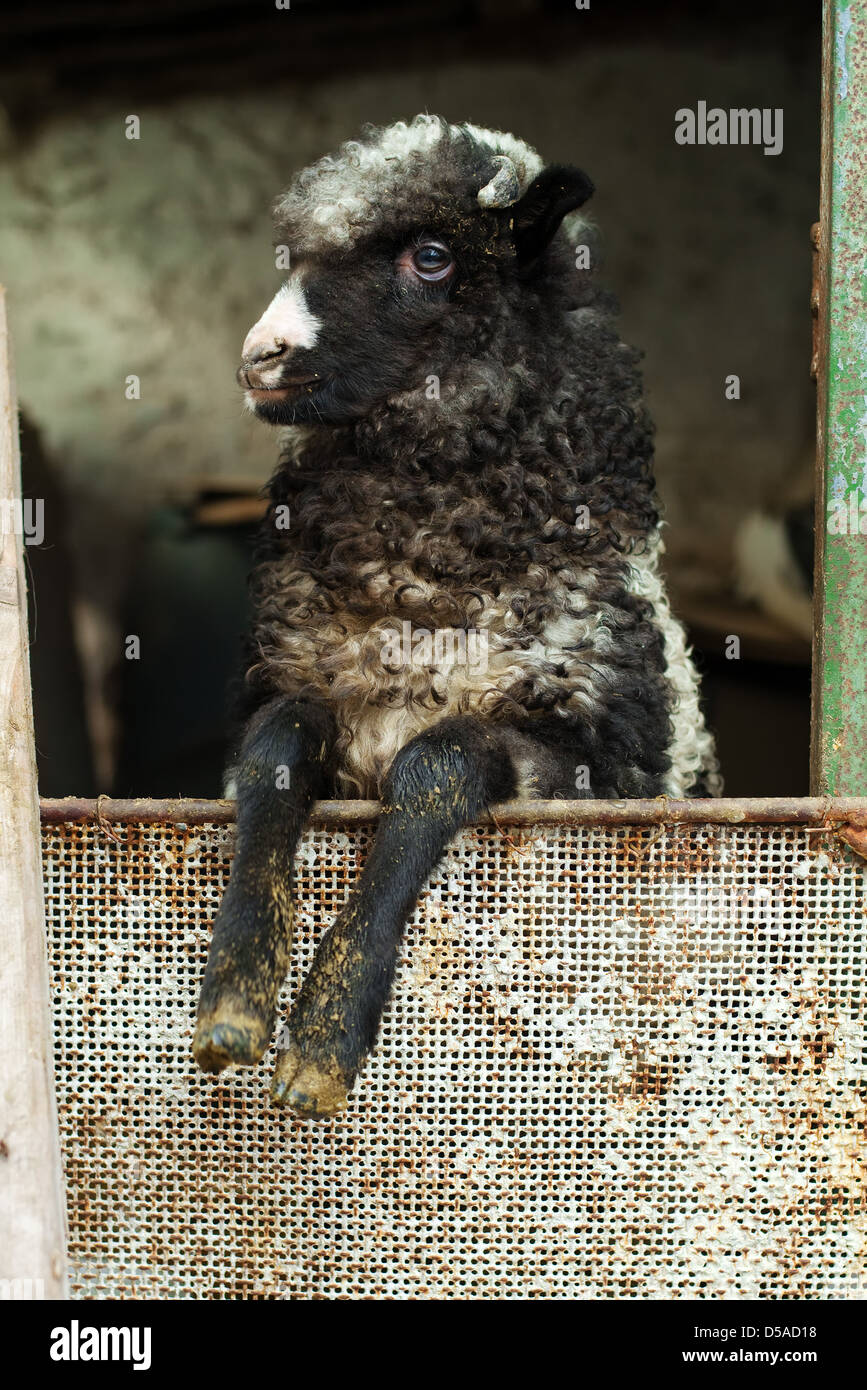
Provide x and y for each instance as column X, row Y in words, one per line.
column 457, row 596
column 474, row 458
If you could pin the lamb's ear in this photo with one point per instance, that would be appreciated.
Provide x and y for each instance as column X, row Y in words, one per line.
column 557, row 190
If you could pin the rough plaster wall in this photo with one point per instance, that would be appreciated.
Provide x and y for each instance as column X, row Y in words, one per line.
column 154, row 257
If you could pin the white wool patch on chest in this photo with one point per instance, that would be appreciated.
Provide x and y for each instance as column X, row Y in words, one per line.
column 396, row 679
column 388, row 678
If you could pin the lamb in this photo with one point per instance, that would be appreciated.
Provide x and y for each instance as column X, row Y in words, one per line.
column 468, row 458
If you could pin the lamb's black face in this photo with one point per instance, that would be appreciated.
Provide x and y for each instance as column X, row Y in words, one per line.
column 349, row 331
column 375, row 307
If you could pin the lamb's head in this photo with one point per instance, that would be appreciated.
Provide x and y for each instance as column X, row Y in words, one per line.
column 410, row 252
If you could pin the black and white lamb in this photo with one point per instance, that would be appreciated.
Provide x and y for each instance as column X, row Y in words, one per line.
column 457, row 595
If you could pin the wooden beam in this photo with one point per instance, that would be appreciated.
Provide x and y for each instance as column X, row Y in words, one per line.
column 32, row 1206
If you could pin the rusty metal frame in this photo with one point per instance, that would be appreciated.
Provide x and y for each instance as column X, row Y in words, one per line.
column 619, row 1063
column 839, row 725
column 766, row 810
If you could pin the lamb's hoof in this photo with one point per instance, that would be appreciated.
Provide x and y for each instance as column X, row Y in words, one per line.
column 316, row 1090
column 240, row 1042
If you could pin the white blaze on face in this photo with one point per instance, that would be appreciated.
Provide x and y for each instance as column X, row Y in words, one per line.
column 287, row 320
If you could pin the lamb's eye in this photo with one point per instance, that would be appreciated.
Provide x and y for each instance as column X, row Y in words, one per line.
column 432, row 260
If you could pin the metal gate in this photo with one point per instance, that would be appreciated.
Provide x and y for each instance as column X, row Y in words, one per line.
column 621, row 1062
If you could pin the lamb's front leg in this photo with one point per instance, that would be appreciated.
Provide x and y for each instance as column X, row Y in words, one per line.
column 440, row 781
column 281, row 767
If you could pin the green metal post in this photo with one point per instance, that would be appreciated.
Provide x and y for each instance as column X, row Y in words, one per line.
column 839, row 740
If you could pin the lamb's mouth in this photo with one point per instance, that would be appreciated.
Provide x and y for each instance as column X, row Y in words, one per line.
column 295, row 389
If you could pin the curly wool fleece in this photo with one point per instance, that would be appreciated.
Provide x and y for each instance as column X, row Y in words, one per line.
column 515, row 499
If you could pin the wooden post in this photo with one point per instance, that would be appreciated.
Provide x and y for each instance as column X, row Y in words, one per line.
column 32, row 1206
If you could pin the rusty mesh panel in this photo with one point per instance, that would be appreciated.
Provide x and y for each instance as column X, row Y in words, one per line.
column 618, row 1063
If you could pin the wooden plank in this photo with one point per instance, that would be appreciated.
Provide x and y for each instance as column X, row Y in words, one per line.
column 32, row 1206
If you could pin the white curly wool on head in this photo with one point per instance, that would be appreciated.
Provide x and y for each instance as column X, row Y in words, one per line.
column 338, row 197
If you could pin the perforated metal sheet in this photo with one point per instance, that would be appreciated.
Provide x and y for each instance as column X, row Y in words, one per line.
column 623, row 1063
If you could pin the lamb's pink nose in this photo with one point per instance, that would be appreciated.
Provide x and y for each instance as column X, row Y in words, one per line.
column 286, row 326
column 260, row 348
column 262, row 359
